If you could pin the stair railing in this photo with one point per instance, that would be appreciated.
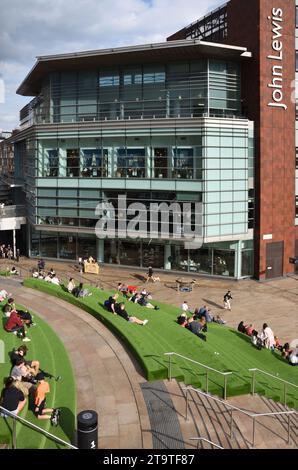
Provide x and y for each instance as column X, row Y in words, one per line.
column 207, row 368
column 285, row 382
column 5, row 413
column 233, row 408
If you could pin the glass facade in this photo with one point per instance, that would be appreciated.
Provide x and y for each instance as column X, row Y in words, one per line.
column 172, row 90
column 189, row 145
column 212, row 259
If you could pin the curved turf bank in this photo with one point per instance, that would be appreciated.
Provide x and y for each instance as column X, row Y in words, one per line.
column 49, row 350
column 162, row 334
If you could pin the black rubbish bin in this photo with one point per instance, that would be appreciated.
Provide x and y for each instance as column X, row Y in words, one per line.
column 87, row 429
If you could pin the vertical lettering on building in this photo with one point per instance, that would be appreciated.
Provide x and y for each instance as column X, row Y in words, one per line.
column 277, row 55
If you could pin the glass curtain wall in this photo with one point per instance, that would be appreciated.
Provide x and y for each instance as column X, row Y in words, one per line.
column 177, row 89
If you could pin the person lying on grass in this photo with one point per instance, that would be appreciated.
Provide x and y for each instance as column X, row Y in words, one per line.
column 12, row 399
column 41, row 412
column 79, row 291
column 141, row 300
column 32, row 366
column 120, row 310
column 196, row 327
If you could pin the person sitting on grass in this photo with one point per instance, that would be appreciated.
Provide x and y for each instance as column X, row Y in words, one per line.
column 35, row 273
column 12, row 399
column 256, row 340
column 286, row 350
column 71, row 285
column 249, row 329
column 120, row 310
column 79, row 291
column 267, row 337
column 293, row 357
column 24, row 380
column 32, row 366
column 196, row 328
column 14, row 271
column 55, row 280
column 110, row 303
column 9, row 307
column 15, row 325
column 219, row 320
column 123, row 289
column 241, row 327
column 41, row 412
column 182, row 320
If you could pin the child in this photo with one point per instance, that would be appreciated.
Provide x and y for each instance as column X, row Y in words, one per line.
column 41, row 411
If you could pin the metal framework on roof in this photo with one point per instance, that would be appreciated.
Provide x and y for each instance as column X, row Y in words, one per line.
column 212, row 27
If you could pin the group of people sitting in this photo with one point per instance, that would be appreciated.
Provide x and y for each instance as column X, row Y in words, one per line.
column 141, row 298
column 26, row 378
column 16, row 321
column 77, row 291
column 267, row 339
column 51, row 276
column 197, row 322
column 118, row 308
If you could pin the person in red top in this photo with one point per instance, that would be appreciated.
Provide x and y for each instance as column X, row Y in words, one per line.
column 15, row 325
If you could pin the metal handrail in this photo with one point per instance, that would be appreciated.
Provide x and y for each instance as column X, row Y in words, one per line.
column 224, row 374
column 205, row 440
column 235, row 408
column 32, row 426
column 285, row 382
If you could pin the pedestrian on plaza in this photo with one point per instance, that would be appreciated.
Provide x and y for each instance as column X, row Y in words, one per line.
column 227, row 298
column 81, row 265
column 17, row 255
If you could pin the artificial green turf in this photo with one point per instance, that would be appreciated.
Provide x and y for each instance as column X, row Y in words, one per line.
column 46, row 347
column 162, row 334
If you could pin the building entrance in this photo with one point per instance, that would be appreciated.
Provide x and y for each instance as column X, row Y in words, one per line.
column 274, row 260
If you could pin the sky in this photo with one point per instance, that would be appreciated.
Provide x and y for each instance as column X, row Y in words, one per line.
column 41, row 27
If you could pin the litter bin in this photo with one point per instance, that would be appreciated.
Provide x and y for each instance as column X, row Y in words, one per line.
column 87, row 425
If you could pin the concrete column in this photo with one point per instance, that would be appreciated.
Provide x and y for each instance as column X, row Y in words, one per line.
column 14, row 243
column 99, row 250
column 167, row 254
column 238, row 259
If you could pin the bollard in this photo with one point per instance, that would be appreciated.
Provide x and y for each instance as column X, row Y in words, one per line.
column 87, row 425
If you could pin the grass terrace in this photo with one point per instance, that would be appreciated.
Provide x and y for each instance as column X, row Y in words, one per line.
column 46, row 347
column 162, row 334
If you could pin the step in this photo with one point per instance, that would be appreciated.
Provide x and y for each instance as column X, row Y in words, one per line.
column 269, row 431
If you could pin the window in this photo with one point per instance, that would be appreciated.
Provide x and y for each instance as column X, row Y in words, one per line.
column 131, row 163
column 52, row 167
column 92, row 163
column 296, row 17
column 154, row 75
column 183, row 163
column 109, row 80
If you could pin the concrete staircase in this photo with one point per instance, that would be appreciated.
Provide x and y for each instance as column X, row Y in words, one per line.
column 212, row 420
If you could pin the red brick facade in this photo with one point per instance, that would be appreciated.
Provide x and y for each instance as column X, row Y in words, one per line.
column 249, row 26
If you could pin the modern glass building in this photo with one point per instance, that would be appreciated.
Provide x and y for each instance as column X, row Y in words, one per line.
column 179, row 121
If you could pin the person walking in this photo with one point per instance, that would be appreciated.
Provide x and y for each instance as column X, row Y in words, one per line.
column 227, row 298
column 17, row 255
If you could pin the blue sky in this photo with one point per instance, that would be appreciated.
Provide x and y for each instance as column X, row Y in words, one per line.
column 39, row 27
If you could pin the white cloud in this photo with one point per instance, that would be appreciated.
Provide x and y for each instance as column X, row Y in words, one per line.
column 40, row 27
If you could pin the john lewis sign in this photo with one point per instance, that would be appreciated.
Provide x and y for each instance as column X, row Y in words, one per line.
column 277, row 57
